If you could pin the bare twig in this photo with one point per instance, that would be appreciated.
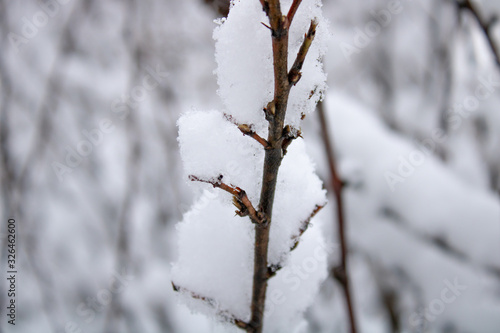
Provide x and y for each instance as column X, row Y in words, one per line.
column 247, row 130
column 213, row 303
column 273, row 269
column 305, row 225
column 240, row 199
column 485, row 26
column 295, row 74
column 291, row 13
column 279, row 138
column 275, row 115
column 340, row 272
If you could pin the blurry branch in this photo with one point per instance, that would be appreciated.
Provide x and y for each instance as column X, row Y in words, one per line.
column 438, row 242
column 7, row 171
column 486, row 26
column 51, row 91
column 389, row 300
column 20, row 181
column 220, row 6
column 336, row 185
column 123, row 256
column 438, row 83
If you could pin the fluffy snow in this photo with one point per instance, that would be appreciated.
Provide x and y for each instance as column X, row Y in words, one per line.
column 214, row 270
column 245, row 62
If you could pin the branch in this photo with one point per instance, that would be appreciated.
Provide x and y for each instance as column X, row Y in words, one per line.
column 240, row 199
column 485, row 26
column 292, row 11
column 276, row 19
column 220, row 6
column 265, row 6
column 273, row 269
column 305, row 225
column 295, row 74
column 213, row 303
column 275, row 115
column 436, row 241
column 340, row 272
column 247, row 130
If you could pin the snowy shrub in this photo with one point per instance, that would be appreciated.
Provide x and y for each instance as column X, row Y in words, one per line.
column 229, row 262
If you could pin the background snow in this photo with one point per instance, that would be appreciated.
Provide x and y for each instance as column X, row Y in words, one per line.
column 387, row 98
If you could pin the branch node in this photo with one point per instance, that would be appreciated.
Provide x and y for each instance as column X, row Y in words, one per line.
column 247, row 130
column 272, row 270
column 240, row 199
column 289, row 134
column 270, row 111
column 340, row 275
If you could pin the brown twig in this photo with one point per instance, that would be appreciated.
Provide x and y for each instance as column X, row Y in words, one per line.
column 213, row 303
column 273, row 269
column 295, row 74
column 291, row 12
column 275, row 115
column 485, row 26
column 240, row 199
column 247, row 130
column 340, row 272
column 305, row 225
column 279, row 138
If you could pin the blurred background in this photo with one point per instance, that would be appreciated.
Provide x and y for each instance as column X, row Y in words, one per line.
column 90, row 92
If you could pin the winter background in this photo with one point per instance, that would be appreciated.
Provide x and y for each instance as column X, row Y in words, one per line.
column 413, row 110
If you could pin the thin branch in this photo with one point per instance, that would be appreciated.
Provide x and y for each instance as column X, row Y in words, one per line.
column 240, row 199
column 213, row 303
column 486, row 27
column 273, row 269
column 305, row 225
column 291, row 13
column 340, row 272
column 247, row 130
column 295, row 74
column 275, row 114
column 437, row 241
column 266, row 26
column 265, row 6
